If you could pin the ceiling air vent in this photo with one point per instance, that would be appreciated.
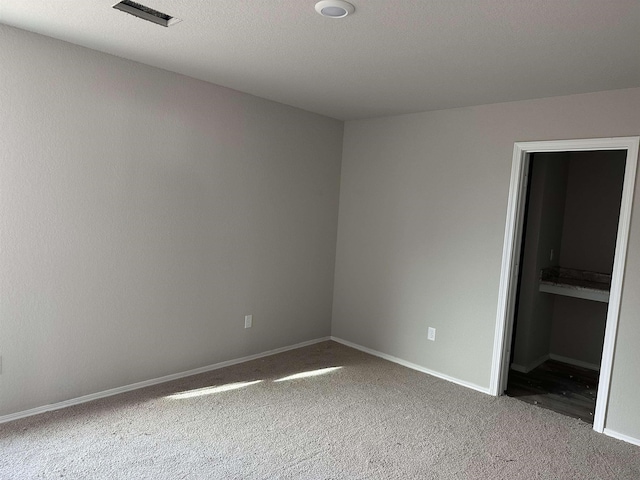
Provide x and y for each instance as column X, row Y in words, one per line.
column 146, row 13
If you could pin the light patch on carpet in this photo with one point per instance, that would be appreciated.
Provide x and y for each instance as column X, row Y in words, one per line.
column 211, row 390
column 312, row 373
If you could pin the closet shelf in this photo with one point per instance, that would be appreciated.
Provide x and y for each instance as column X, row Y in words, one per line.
column 575, row 283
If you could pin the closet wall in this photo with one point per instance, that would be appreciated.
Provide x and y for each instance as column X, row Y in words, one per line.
column 542, row 235
column 594, row 192
column 573, row 209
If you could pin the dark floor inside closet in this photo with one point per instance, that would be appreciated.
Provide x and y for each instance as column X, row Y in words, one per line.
column 557, row 386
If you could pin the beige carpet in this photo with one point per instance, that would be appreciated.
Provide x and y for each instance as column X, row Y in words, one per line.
column 369, row 419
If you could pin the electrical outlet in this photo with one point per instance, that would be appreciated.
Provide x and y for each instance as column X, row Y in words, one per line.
column 551, row 256
column 248, row 321
column 431, row 334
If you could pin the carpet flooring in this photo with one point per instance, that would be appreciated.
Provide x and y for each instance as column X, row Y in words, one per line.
column 358, row 417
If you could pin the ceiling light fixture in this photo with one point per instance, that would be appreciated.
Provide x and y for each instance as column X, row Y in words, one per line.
column 334, row 8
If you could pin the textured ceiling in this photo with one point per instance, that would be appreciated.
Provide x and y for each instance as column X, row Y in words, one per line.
column 390, row 57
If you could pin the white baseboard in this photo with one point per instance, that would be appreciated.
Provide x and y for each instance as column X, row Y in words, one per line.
column 518, row 368
column 553, row 356
column 155, row 381
column 577, row 363
column 527, row 368
column 412, row 366
column 620, row 436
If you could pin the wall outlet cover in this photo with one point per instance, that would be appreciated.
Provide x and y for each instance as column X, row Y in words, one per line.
column 248, row 321
column 431, row 334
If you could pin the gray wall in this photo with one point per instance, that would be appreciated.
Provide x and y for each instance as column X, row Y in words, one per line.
column 423, row 203
column 578, row 330
column 545, row 217
column 143, row 214
column 594, row 192
column 589, row 234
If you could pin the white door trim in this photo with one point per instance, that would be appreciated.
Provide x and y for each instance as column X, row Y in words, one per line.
column 510, row 257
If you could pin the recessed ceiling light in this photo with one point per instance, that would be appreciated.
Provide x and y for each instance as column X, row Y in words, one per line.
column 334, row 8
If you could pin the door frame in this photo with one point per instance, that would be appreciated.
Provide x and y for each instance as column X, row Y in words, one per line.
column 513, row 244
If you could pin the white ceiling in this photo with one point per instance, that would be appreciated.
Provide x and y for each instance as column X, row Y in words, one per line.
column 389, row 57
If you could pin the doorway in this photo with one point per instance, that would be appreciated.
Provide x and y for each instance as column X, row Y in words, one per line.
column 568, row 245
column 513, row 250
